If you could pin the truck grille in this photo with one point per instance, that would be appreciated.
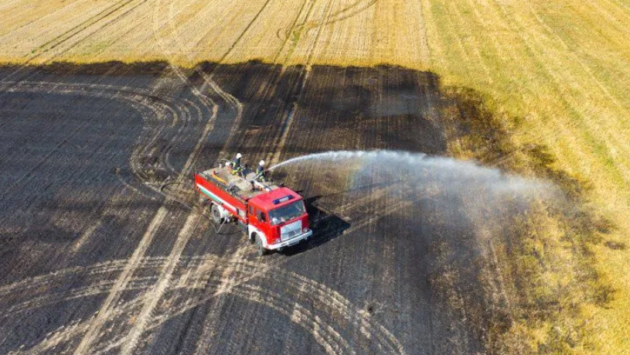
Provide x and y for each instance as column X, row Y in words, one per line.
column 290, row 230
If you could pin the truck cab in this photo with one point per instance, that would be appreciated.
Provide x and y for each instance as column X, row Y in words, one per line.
column 277, row 219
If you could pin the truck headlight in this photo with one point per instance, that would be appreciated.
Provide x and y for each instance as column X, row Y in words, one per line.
column 304, row 230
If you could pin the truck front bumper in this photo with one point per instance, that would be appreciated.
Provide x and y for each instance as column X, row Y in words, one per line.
column 290, row 242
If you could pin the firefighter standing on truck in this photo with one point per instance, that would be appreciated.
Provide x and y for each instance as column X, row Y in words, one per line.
column 260, row 172
column 236, row 164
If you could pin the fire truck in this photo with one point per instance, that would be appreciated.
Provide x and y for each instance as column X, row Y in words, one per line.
column 273, row 217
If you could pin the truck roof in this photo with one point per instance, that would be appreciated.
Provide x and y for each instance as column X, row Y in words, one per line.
column 275, row 198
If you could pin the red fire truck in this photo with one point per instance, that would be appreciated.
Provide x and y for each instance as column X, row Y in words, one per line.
column 273, row 217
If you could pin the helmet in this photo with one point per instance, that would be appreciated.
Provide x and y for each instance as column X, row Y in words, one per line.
column 239, row 155
column 262, row 163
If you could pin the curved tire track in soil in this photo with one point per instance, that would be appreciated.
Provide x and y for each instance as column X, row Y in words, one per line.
column 150, row 106
column 230, row 101
column 141, row 249
column 315, row 318
column 158, row 109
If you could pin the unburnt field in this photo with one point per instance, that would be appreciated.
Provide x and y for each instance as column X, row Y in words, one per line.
column 105, row 250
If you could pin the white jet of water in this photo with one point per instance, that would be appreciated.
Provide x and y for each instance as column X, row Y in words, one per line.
column 420, row 191
column 418, row 168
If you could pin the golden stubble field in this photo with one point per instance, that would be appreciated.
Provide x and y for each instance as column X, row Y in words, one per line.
column 557, row 71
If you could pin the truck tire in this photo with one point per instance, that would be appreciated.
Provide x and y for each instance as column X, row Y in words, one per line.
column 260, row 248
column 202, row 200
column 216, row 214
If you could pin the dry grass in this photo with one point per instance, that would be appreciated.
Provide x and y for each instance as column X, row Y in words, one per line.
column 302, row 31
column 558, row 69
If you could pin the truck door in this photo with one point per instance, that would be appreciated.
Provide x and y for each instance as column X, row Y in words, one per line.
column 251, row 215
column 261, row 217
column 256, row 217
column 259, row 220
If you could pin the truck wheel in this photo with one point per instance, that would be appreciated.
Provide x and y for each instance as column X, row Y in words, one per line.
column 260, row 249
column 216, row 214
column 202, row 200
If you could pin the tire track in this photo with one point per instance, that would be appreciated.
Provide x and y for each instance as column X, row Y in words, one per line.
column 425, row 50
column 230, row 100
column 338, row 16
column 155, row 295
column 102, row 27
column 240, row 37
column 279, row 77
column 228, row 279
column 64, row 37
column 133, row 262
column 286, row 126
column 37, row 19
column 330, row 305
column 123, row 280
column 93, row 330
column 289, row 31
column 160, row 109
column 121, row 284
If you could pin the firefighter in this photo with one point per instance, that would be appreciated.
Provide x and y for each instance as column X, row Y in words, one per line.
column 236, row 164
column 260, row 172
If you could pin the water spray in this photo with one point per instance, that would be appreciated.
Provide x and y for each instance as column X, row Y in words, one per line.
column 449, row 170
column 483, row 192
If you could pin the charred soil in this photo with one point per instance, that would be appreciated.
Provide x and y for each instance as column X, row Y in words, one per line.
column 97, row 255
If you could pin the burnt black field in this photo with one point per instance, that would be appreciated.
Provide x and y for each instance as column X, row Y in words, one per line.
column 103, row 248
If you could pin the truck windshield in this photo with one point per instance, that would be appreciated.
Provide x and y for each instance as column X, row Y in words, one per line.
column 286, row 213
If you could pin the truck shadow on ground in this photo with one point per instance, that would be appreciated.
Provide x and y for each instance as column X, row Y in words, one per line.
column 326, row 226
